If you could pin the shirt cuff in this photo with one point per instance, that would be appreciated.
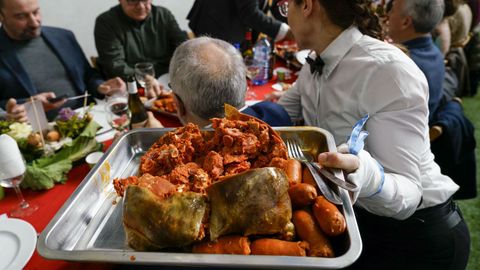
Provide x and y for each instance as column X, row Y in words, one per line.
column 282, row 32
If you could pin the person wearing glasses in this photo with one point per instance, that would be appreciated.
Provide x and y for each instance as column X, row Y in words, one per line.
column 205, row 74
column 136, row 31
column 229, row 20
column 403, row 207
column 43, row 62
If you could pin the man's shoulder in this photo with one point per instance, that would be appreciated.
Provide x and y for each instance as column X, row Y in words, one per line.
column 269, row 112
column 110, row 15
column 160, row 9
column 161, row 12
column 56, row 31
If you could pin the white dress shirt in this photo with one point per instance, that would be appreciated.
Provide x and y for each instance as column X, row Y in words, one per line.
column 364, row 75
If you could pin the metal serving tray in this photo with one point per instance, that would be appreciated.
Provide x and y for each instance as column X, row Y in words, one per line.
column 89, row 227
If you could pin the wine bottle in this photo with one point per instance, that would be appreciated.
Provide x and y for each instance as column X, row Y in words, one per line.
column 138, row 114
column 246, row 47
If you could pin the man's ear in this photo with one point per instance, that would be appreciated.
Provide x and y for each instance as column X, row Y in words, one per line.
column 180, row 106
column 307, row 7
column 407, row 22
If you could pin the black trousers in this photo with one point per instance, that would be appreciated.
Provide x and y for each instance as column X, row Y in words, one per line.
column 432, row 238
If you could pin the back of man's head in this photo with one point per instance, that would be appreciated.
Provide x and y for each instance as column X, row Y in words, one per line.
column 426, row 14
column 206, row 73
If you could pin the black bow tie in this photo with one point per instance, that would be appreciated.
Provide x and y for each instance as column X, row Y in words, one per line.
column 316, row 65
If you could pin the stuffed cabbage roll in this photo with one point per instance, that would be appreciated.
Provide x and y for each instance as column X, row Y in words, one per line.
column 152, row 223
column 250, row 203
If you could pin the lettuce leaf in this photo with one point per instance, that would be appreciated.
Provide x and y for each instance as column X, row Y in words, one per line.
column 44, row 173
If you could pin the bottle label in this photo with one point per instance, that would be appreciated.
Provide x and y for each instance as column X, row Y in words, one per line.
column 139, row 124
column 132, row 87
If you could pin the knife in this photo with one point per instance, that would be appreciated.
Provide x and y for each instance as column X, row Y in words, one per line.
column 335, row 180
column 329, row 194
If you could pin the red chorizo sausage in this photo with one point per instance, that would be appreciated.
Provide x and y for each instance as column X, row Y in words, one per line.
column 302, row 195
column 308, row 231
column 230, row 244
column 293, row 170
column 331, row 220
column 267, row 246
column 307, row 177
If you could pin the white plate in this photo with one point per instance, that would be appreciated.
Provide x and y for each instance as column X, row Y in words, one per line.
column 100, row 116
column 301, row 55
column 18, row 239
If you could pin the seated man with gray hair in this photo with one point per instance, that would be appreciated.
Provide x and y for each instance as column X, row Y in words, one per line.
column 410, row 22
column 205, row 74
column 452, row 134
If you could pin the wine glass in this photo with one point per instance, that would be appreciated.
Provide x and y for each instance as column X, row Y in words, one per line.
column 252, row 69
column 12, row 170
column 118, row 114
column 143, row 69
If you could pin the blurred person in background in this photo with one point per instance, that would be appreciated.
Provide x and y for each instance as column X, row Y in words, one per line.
column 410, row 23
column 443, row 31
column 404, row 210
column 14, row 112
column 460, row 24
column 475, row 8
column 451, row 133
column 43, row 62
column 205, row 74
column 229, row 20
column 136, row 31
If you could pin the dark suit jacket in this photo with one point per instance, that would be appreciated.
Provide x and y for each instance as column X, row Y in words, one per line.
column 14, row 80
column 229, row 19
column 454, row 150
column 270, row 113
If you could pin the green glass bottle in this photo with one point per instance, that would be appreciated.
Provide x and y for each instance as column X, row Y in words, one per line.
column 137, row 109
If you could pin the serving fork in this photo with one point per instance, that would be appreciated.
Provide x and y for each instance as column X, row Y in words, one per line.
column 295, row 152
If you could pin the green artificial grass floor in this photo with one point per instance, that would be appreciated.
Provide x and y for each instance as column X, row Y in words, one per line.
column 471, row 208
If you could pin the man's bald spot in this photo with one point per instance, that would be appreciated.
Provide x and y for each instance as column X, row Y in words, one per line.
column 214, row 58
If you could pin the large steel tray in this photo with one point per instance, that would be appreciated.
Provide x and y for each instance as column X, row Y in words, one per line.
column 89, row 227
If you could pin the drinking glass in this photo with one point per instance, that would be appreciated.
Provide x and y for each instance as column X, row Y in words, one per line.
column 118, row 115
column 143, row 69
column 251, row 69
column 12, row 166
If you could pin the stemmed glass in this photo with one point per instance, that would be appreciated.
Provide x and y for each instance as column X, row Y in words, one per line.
column 12, row 170
column 118, row 114
column 251, row 69
column 143, row 69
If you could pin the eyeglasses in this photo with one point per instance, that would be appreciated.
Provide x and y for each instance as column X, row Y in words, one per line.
column 283, row 7
column 136, row 2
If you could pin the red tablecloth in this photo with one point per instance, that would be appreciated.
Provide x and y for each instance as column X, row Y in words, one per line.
column 50, row 201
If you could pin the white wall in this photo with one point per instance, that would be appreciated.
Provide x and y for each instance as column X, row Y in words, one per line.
column 79, row 16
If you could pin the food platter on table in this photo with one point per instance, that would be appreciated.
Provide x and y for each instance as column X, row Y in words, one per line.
column 164, row 104
column 97, row 214
column 286, row 50
column 50, row 153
